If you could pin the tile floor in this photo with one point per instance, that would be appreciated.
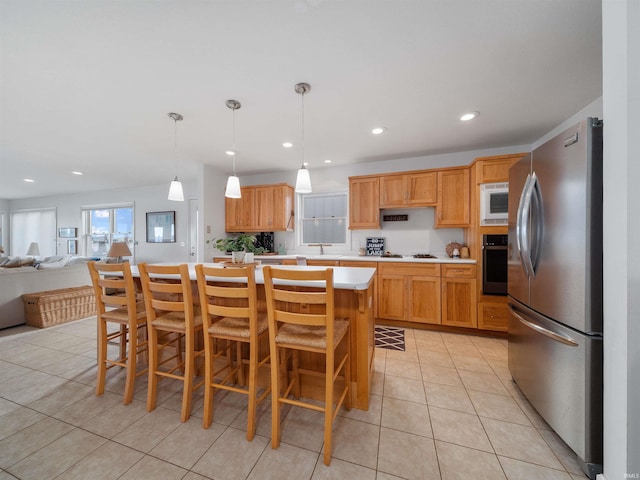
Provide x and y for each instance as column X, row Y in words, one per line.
column 443, row 409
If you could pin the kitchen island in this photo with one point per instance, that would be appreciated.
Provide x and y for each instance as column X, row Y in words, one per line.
column 354, row 293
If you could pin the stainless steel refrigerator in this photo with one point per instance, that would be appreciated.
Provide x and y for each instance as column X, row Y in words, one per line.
column 555, row 286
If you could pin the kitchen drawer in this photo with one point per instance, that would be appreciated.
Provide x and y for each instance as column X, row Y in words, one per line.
column 493, row 316
column 323, row 263
column 356, row 263
column 458, row 271
column 396, row 268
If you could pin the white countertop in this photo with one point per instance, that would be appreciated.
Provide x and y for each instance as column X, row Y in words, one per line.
column 358, row 258
column 344, row 278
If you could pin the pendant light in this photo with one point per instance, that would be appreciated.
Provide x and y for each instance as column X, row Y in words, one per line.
column 303, row 180
column 175, row 189
column 233, row 182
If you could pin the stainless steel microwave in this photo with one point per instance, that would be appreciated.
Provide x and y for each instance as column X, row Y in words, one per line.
column 494, row 203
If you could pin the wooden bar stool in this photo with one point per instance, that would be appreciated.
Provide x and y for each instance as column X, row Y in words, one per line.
column 230, row 317
column 170, row 310
column 116, row 303
column 302, row 319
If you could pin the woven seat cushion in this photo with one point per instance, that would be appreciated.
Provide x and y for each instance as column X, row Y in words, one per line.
column 121, row 315
column 309, row 336
column 237, row 327
column 174, row 321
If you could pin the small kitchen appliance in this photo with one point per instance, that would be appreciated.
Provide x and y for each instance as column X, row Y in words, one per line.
column 494, row 203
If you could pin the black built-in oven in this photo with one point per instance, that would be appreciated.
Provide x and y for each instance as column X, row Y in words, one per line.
column 494, row 264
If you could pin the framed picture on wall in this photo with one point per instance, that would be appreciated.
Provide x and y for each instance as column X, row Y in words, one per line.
column 161, row 227
column 67, row 232
column 72, row 247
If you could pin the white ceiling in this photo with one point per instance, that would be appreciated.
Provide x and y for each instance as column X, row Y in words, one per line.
column 87, row 85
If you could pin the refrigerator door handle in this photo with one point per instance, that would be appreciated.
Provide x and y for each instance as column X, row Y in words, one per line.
column 522, row 225
column 537, row 218
column 558, row 337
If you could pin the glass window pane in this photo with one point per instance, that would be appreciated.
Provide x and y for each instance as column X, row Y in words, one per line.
column 108, row 225
column 324, row 219
column 124, row 220
column 324, row 231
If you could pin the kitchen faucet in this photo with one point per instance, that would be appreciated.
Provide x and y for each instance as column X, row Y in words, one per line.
column 321, row 245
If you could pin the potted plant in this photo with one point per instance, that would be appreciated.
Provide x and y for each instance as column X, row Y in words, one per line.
column 240, row 243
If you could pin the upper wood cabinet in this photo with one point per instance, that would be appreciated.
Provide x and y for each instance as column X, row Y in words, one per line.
column 495, row 169
column 274, row 207
column 240, row 212
column 452, row 209
column 408, row 190
column 262, row 208
column 364, row 201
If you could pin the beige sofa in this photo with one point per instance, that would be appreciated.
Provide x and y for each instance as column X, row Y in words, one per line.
column 16, row 281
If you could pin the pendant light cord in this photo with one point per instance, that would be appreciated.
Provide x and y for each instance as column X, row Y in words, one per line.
column 233, row 121
column 302, row 95
column 175, row 143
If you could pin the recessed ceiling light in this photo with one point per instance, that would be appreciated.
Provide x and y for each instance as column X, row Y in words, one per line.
column 77, row 173
column 29, row 180
column 231, row 153
column 287, row 144
column 378, row 130
column 327, row 161
column 469, row 116
column 306, row 164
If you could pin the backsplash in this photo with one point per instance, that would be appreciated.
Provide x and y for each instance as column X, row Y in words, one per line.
column 416, row 235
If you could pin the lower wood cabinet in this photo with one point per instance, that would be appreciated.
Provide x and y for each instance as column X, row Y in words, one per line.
column 428, row 293
column 392, row 298
column 425, row 300
column 459, row 296
column 459, row 302
column 409, row 291
column 493, row 316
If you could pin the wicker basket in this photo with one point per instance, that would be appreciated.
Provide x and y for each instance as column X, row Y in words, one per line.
column 53, row 307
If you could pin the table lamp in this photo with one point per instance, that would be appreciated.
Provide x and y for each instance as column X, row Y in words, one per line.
column 33, row 250
column 119, row 250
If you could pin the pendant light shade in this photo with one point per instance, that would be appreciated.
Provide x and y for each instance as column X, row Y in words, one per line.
column 303, row 180
column 175, row 189
column 233, row 187
column 233, row 182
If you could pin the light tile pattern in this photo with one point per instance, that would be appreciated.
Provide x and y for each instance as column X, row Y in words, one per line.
column 443, row 409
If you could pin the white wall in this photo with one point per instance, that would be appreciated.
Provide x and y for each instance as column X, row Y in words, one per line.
column 594, row 109
column 212, row 184
column 621, row 99
column 144, row 199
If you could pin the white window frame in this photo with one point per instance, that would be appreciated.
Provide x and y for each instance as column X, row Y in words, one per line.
column 300, row 218
column 86, row 234
column 4, row 241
